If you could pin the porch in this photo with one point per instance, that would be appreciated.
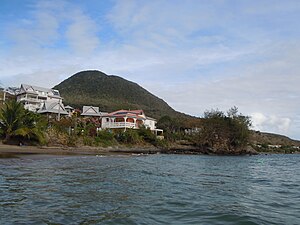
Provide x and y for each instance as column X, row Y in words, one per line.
column 113, row 125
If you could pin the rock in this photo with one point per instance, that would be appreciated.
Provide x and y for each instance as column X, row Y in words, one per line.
column 250, row 150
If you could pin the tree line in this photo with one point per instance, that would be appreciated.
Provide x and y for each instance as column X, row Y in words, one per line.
column 227, row 131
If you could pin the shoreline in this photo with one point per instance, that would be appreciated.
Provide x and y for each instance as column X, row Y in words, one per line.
column 7, row 151
column 84, row 150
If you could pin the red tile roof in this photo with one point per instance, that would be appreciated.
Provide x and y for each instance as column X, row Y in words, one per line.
column 128, row 113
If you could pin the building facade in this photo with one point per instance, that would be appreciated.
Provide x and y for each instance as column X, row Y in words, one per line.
column 33, row 97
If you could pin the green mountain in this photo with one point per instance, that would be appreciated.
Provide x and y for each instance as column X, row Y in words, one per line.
column 111, row 93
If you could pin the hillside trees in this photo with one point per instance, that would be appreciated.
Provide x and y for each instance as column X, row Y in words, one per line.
column 111, row 93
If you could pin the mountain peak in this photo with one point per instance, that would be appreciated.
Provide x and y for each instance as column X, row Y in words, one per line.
column 110, row 93
column 88, row 73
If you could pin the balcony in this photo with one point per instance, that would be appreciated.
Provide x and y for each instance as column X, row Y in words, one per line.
column 113, row 125
column 34, row 100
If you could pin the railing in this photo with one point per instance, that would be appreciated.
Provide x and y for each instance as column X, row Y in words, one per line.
column 31, row 107
column 29, row 100
column 119, row 125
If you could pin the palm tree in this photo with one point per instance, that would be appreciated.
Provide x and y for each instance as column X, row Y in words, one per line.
column 16, row 121
column 11, row 116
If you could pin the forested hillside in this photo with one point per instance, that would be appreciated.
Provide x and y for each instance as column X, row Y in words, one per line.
column 111, row 93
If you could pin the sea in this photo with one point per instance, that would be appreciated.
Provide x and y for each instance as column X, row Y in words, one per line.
column 150, row 189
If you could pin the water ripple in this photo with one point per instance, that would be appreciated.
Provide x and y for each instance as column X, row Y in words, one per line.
column 154, row 189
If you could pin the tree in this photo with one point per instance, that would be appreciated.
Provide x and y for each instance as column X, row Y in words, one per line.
column 226, row 132
column 167, row 123
column 239, row 127
column 171, row 127
column 15, row 121
column 11, row 119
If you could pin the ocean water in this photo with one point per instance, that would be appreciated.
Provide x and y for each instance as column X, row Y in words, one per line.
column 153, row 189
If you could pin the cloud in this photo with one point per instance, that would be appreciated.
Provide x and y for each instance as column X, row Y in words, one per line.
column 82, row 33
column 55, row 37
column 41, row 29
column 265, row 7
column 55, row 24
column 265, row 123
column 163, row 23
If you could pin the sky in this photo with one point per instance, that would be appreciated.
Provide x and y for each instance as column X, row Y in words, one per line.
column 197, row 55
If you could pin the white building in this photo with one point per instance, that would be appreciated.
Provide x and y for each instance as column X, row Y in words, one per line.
column 124, row 119
column 33, row 97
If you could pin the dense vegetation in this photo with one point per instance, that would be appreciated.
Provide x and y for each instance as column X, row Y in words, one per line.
column 77, row 131
column 20, row 126
column 218, row 132
column 225, row 132
column 111, row 93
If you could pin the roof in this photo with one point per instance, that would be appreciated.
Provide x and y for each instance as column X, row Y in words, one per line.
column 53, row 107
column 12, row 90
column 91, row 111
column 139, row 114
column 26, row 88
column 68, row 107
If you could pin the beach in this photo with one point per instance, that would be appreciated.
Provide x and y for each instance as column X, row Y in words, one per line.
column 83, row 150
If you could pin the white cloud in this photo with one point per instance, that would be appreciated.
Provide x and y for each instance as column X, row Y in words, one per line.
column 57, row 37
column 162, row 23
column 82, row 33
column 265, row 123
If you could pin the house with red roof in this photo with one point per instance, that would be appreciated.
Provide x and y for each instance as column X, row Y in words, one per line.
column 133, row 119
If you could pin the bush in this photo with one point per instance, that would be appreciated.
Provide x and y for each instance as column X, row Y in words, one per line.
column 72, row 141
column 62, row 125
column 130, row 136
column 105, row 135
column 88, row 141
column 105, row 138
column 147, row 135
column 161, row 143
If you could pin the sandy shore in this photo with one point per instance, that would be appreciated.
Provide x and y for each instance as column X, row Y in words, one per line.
column 85, row 150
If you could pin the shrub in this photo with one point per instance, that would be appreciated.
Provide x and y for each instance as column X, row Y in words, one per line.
column 105, row 135
column 88, row 141
column 62, row 125
column 147, row 135
column 129, row 136
column 105, row 138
